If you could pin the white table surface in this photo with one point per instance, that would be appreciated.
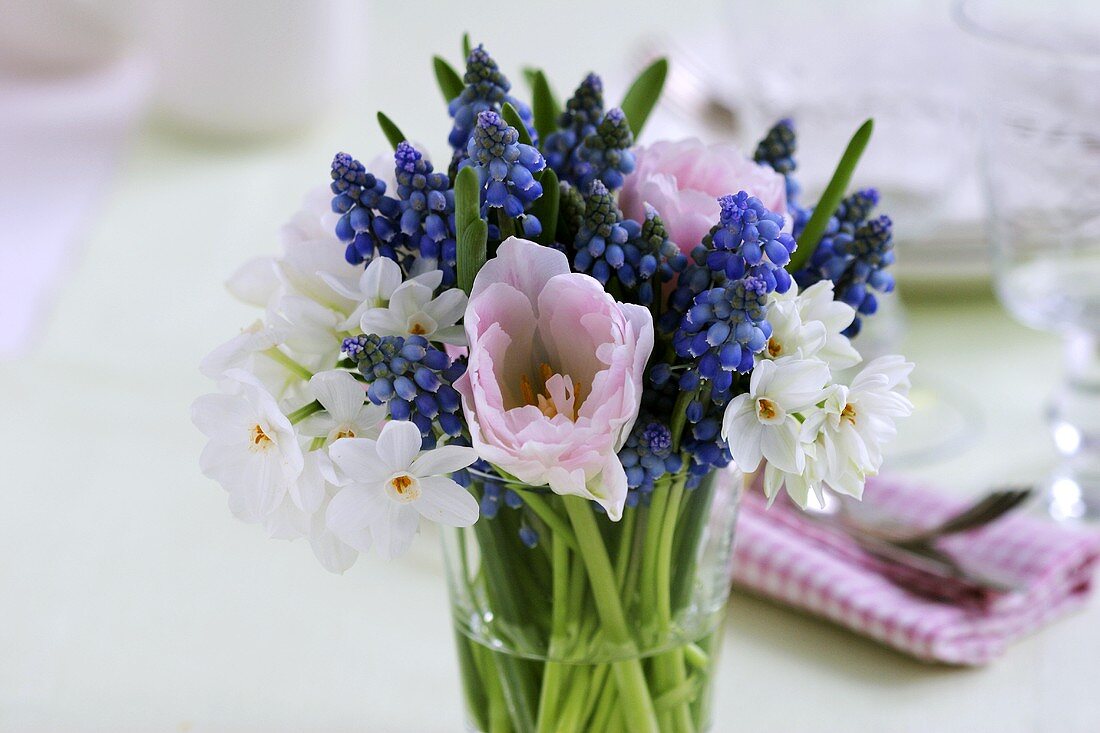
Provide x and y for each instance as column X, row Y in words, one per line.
column 130, row 599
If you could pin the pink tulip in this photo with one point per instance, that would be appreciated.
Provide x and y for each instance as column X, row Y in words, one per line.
column 683, row 181
column 554, row 378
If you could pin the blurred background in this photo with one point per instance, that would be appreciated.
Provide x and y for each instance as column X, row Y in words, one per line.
column 149, row 147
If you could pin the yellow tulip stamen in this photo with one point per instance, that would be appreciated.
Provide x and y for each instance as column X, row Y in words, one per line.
column 546, row 402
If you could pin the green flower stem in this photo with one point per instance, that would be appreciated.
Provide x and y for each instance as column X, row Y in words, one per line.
column 663, row 581
column 626, row 539
column 477, row 699
column 276, row 354
column 647, row 589
column 596, row 689
column 637, row 703
column 499, row 721
column 576, row 600
column 831, row 197
column 554, row 672
column 542, row 509
column 697, row 658
column 630, row 587
column 571, row 716
column 303, row 412
column 679, row 696
column 670, row 666
column 602, row 719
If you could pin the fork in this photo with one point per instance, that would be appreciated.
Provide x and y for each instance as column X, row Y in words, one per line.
column 914, row 554
column 986, row 510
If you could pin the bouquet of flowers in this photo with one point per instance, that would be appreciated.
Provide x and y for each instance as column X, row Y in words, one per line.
column 564, row 346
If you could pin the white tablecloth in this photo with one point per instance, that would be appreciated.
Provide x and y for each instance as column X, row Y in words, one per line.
column 130, row 600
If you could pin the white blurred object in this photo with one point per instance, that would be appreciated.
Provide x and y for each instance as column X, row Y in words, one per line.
column 60, row 141
column 242, row 68
column 829, row 66
column 61, row 36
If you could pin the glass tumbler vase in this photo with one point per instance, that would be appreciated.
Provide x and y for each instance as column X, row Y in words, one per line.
column 596, row 625
column 1038, row 95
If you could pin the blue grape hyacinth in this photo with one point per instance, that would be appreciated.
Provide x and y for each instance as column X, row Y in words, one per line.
column 600, row 244
column 778, row 147
column 486, row 89
column 505, row 167
column 368, row 217
column 750, row 239
column 583, row 112
column 412, row 378
column 854, row 253
column 647, row 456
column 427, row 210
column 605, row 155
column 653, row 242
column 871, row 251
column 724, row 328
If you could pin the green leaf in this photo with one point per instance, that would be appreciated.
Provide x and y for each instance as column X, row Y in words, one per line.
column 465, row 46
column 643, row 94
column 831, row 198
column 511, row 116
column 450, row 83
column 529, row 75
column 472, row 232
column 546, row 205
column 544, row 106
column 506, row 225
column 391, row 131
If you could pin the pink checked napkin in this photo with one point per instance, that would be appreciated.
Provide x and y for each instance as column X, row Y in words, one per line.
column 783, row 555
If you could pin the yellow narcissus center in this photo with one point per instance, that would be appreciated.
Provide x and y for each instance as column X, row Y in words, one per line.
column 403, row 488
column 766, row 409
column 259, row 439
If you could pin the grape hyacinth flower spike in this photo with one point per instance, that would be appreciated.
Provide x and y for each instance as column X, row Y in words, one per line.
column 412, row 378
column 505, row 167
column 367, row 222
column 427, row 210
column 486, row 89
column 605, row 155
column 583, row 112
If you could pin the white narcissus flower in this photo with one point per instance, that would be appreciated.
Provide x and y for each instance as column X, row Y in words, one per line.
column 253, row 450
column 347, row 412
column 390, row 483
column 859, row 419
column 791, row 336
column 762, row 422
column 312, row 331
column 809, row 325
column 799, row 485
column 816, row 304
column 256, row 282
column 413, row 310
column 240, row 351
column 293, row 517
column 375, row 286
column 302, row 514
column 311, row 250
column 312, row 254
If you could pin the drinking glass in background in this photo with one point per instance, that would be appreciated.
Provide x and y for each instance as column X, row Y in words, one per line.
column 1039, row 112
column 832, row 66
